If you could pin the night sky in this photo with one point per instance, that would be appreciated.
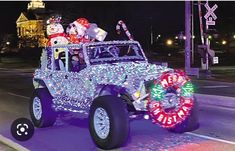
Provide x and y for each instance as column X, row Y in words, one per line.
column 165, row 17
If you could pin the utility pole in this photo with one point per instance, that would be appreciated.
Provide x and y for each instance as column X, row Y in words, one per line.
column 188, row 35
column 189, row 40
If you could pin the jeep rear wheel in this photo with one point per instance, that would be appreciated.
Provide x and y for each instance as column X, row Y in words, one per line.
column 108, row 122
column 40, row 108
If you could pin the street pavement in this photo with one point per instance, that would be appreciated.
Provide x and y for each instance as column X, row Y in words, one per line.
column 212, row 87
column 216, row 132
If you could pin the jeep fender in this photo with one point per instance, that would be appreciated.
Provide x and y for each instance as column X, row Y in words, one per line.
column 116, row 91
column 38, row 83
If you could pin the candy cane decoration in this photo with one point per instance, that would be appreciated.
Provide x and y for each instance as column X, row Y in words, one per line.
column 118, row 29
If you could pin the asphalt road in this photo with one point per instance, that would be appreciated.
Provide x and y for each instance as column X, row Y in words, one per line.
column 214, row 87
column 216, row 132
column 19, row 81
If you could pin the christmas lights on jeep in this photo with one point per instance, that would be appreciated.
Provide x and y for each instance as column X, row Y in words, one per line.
column 109, row 82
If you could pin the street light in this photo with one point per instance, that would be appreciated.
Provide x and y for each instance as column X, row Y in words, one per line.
column 8, row 43
column 224, row 42
column 169, row 42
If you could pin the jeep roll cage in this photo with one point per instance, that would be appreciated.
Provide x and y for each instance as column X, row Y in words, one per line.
column 60, row 55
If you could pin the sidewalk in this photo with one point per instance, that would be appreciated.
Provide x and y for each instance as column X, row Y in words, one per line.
column 9, row 145
column 4, row 147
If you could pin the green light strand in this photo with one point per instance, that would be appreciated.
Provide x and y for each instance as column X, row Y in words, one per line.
column 157, row 92
column 187, row 89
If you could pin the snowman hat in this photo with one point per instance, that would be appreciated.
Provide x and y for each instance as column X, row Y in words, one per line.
column 54, row 19
column 83, row 21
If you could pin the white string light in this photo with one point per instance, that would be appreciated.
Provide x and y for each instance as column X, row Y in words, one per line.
column 76, row 90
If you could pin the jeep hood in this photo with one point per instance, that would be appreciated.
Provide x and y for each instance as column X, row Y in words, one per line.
column 140, row 71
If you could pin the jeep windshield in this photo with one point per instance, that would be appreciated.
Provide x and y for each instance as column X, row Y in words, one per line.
column 114, row 52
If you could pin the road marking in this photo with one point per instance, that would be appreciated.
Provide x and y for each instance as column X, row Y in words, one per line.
column 12, row 144
column 211, row 138
column 216, row 86
column 22, row 96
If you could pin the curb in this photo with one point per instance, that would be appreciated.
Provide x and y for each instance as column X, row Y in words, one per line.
column 224, row 101
column 12, row 144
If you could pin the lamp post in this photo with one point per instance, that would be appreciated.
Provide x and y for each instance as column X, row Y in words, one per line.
column 192, row 32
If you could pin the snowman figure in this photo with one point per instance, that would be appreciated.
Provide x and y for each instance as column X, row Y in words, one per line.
column 56, row 35
column 55, row 32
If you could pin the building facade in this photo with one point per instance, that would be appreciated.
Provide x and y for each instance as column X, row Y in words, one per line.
column 30, row 25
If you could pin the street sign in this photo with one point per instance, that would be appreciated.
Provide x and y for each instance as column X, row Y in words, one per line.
column 210, row 11
column 215, row 60
column 209, row 21
column 210, row 15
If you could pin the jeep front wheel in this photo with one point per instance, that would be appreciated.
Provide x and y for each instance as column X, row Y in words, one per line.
column 190, row 123
column 40, row 108
column 108, row 122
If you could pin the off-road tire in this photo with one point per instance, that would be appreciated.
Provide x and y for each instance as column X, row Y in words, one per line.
column 48, row 116
column 118, row 119
column 191, row 123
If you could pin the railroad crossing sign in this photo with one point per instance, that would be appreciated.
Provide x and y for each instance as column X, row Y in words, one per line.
column 210, row 15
